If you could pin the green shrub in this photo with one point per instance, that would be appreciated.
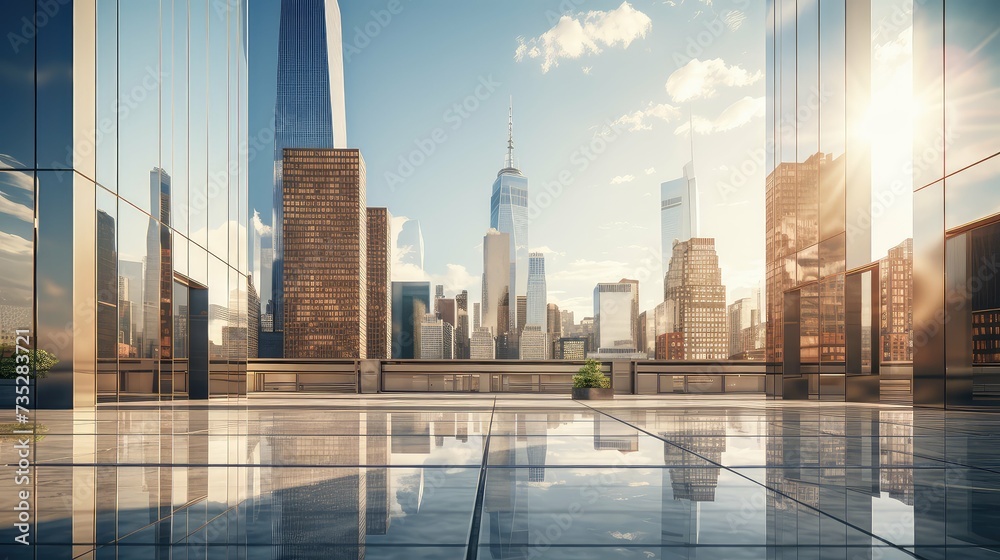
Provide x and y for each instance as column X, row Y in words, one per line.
column 591, row 377
column 39, row 362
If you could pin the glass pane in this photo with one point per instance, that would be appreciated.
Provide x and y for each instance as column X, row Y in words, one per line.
column 984, row 258
column 198, row 122
column 928, row 92
column 972, row 194
column 218, row 323
column 972, row 80
column 175, row 114
column 807, row 77
column 138, row 93
column 787, row 83
column 54, row 99
column 54, row 274
column 17, row 112
column 218, row 132
column 139, row 300
column 107, row 94
column 832, row 320
column 180, row 315
column 107, row 276
column 17, row 234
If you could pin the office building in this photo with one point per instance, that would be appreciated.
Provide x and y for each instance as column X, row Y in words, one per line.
column 509, row 215
column 462, row 330
column 483, row 344
column 379, row 279
column 476, row 314
column 446, row 309
column 572, row 348
column 438, row 291
column 741, row 315
column 496, row 283
column 537, row 295
column 410, row 244
column 266, row 262
column 410, row 302
column 896, row 299
column 309, row 105
column 253, row 319
column 616, row 315
column 534, row 343
column 566, row 322
column 437, row 339
column 326, row 256
column 522, row 313
column 693, row 286
column 553, row 326
column 678, row 212
column 88, row 186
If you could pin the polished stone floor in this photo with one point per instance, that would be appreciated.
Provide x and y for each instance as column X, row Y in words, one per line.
column 491, row 477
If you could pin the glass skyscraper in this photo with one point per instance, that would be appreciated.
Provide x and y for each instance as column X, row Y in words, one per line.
column 509, row 214
column 537, row 294
column 123, row 232
column 309, row 108
column 678, row 212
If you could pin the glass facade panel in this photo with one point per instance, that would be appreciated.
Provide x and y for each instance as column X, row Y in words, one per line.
column 972, row 80
column 17, row 112
column 139, row 80
column 53, row 281
column 218, row 134
column 109, row 282
column 176, row 63
column 54, row 146
column 972, row 194
column 198, row 122
column 107, row 94
column 17, row 240
column 218, row 324
column 928, row 92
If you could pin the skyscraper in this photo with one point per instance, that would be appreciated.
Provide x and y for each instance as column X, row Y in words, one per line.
column 483, row 344
column 476, row 315
column 509, row 215
column 496, row 283
column 437, row 340
column 379, row 277
column 410, row 244
column 896, row 289
column 615, row 316
column 537, row 295
column 326, row 231
column 741, row 315
column 462, row 328
column 309, row 106
column 410, row 302
column 694, row 290
column 534, row 343
column 678, row 212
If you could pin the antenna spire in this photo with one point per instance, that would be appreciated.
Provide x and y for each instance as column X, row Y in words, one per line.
column 691, row 134
column 510, row 133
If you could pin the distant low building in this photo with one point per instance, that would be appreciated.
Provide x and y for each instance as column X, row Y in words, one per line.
column 483, row 345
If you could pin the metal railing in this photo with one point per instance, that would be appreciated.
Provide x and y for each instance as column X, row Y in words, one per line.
column 498, row 376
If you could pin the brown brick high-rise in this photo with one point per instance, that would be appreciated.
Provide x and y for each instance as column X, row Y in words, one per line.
column 325, row 235
column 379, row 283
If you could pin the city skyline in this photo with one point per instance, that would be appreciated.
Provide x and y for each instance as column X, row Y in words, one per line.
column 648, row 126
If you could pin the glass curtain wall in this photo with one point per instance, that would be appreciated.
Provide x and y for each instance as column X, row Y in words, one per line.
column 145, row 178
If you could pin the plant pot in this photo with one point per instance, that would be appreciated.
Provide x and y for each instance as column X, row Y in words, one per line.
column 593, row 394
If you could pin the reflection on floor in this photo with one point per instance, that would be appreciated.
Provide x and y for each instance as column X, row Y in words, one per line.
column 508, row 477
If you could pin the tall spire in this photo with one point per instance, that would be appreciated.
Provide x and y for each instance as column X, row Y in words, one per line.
column 510, row 134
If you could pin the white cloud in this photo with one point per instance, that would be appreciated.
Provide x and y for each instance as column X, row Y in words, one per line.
column 10, row 208
column 546, row 250
column 643, row 118
column 622, row 179
column 456, row 279
column 698, row 79
column 734, row 116
column 620, row 226
column 262, row 229
column 650, row 170
column 587, row 69
column 585, row 33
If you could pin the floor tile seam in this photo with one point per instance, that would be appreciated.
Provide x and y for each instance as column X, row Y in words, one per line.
column 472, row 548
column 741, row 475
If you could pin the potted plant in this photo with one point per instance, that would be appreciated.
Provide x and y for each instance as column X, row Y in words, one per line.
column 39, row 364
column 590, row 383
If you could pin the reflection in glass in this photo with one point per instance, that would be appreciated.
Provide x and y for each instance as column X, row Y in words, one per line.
column 972, row 80
column 107, row 95
column 108, row 285
column 139, row 79
column 198, row 122
column 218, row 130
column 17, row 234
column 17, row 112
column 180, row 338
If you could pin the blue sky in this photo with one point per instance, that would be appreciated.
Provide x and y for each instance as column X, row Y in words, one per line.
column 440, row 74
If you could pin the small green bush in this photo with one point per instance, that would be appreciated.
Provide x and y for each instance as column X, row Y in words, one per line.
column 591, row 377
column 39, row 361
